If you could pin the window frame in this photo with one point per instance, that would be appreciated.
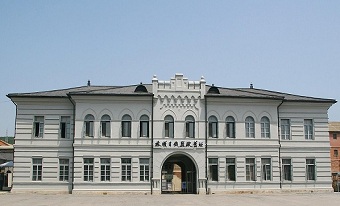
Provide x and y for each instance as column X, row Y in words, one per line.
column 144, row 169
column 169, row 126
column 105, row 169
column 308, row 129
column 231, row 169
column 105, row 126
column 251, row 169
column 213, row 126
column 65, row 127
column 37, row 168
column 230, row 127
column 144, row 122
column 335, row 153
column 335, row 135
column 38, row 126
column 126, row 125
column 310, row 175
column 88, row 169
column 189, row 126
column 287, row 164
column 213, row 169
column 64, row 169
column 126, row 169
column 89, row 126
column 285, row 129
column 265, row 127
column 266, row 169
column 250, row 127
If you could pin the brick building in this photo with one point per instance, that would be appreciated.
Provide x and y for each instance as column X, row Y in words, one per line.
column 334, row 139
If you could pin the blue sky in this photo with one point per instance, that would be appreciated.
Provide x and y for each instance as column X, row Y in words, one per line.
column 287, row 46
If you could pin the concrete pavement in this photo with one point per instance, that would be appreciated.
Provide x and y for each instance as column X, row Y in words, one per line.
column 310, row 199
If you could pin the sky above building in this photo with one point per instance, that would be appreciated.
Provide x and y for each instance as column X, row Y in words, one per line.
column 287, row 46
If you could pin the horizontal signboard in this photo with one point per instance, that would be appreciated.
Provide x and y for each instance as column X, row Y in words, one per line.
column 185, row 144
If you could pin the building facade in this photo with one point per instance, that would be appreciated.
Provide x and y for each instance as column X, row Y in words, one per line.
column 170, row 136
column 334, row 139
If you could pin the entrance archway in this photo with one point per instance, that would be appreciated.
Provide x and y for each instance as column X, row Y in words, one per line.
column 179, row 175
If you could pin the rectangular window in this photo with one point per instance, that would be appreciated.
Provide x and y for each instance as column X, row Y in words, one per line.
column 65, row 127
column 144, row 169
column 106, row 129
column 36, row 169
column 88, row 128
column 213, row 129
column 169, row 129
column 266, row 169
column 335, row 136
column 231, row 169
column 285, row 129
column 38, row 126
column 126, row 169
column 63, row 169
column 190, row 129
column 336, row 153
column 250, row 169
column 308, row 125
column 230, row 129
column 287, row 169
column 144, row 129
column 213, row 169
column 310, row 169
column 126, row 128
column 88, row 169
column 105, row 169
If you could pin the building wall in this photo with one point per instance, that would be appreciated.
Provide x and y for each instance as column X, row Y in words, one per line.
column 335, row 145
column 299, row 149
column 178, row 98
column 50, row 148
column 115, row 147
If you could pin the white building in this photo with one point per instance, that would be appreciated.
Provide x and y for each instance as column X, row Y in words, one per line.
column 170, row 136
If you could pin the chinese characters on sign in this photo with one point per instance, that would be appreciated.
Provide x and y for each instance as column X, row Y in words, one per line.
column 178, row 144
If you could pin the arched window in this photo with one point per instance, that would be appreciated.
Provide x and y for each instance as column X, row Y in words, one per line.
column 213, row 127
column 169, row 126
column 190, row 126
column 126, row 126
column 144, row 126
column 105, row 126
column 265, row 127
column 230, row 126
column 88, row 125
column 250, row 127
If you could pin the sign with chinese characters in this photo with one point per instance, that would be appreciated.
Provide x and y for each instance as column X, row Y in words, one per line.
column 185, row 144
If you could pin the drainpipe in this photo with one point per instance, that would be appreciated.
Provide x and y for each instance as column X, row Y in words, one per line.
column 206, row 146
column 279, row 135
column 151, row 164
column 74, row 134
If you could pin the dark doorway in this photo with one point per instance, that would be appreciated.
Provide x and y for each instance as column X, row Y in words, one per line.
column 179, row 175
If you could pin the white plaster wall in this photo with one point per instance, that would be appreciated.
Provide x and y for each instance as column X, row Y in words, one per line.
column 50, row 148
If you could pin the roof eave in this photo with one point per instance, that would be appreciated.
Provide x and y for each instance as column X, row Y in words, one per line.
column 89, row 94
column 242, row 97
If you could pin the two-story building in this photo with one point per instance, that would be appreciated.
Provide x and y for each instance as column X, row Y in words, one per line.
column 334, row 139
column 170, row 136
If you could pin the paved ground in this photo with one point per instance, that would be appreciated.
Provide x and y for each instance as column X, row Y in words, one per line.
column 328, row 199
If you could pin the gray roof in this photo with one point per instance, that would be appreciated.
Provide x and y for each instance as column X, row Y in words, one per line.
column 266, row 94
column 130, row 90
